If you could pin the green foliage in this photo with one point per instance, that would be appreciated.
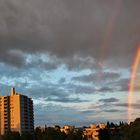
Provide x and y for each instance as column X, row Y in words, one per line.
column 52, row 134
column 104, row 134
column 11, row 136
column 49, row 134
column 123, row 131
column 75, row 135
column 133, row 131
column 26, row 136
column 127, row 132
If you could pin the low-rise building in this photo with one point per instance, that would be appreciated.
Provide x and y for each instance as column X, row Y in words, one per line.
column 67, row 128
column 92, row 133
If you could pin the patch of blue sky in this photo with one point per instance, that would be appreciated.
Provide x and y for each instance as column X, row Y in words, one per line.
column 31, row 57
column 125, row 73
column 62, row 72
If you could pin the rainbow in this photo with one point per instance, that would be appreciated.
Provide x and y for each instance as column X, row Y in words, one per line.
column 109, row 30
column 132, row 82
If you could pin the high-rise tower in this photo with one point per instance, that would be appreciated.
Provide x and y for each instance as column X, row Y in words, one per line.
column 16, row 113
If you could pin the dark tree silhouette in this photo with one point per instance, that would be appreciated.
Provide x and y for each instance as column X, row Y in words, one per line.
column 104, row 134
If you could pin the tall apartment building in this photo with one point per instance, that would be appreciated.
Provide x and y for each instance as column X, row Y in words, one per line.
column 16, row 113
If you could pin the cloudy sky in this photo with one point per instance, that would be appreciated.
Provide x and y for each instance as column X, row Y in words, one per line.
column 73, row 57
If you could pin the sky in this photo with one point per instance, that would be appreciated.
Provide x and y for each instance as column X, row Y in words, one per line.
column 72, row 57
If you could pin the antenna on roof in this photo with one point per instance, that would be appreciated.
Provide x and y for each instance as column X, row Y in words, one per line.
column 12, row 91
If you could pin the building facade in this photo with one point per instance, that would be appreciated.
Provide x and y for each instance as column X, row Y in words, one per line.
column 16, row 113
column 92, row 133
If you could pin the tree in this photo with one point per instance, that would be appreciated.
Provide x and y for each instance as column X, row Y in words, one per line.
column 11, row 136
column 27, row 136
column 104, row 134
column 132, row 132
column 75, row 135
column 52, row 134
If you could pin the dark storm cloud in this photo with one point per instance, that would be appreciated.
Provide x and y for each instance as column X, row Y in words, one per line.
column 70, row 30
column 109, row 100
column 92, row 34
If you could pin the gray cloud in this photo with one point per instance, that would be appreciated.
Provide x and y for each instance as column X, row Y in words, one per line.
column 88, row 111
column 123, row 84
column 70, row 31
column 62, row 80
column 133, row 105
column 80, row 89
column 95, row 77
column 66, row 100
column 38, row 37
column 54, row 114
column 111, row 110
column 105, row 89
column 109, row 100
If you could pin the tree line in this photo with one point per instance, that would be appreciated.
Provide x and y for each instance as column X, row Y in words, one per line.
column 121, row 131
